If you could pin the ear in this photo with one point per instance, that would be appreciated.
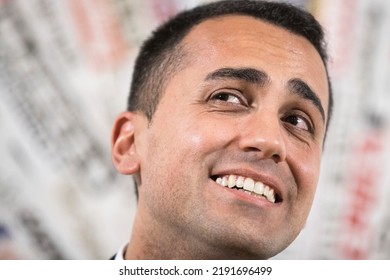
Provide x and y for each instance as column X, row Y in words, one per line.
column 123, row 150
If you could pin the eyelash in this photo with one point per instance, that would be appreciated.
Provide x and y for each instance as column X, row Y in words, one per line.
column 298, row 117
column 221, row 97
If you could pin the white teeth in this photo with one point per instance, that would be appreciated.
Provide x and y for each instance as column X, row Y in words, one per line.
column 231, row 181
column 240, row 182
column 248, row 185
column 271, row 196
column 266, row 190
column 259, row 188
column 224, row 182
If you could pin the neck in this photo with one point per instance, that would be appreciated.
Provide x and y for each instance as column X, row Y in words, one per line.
column 155, row 241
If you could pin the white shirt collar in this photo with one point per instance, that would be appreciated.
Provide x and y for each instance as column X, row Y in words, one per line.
column 120, row 255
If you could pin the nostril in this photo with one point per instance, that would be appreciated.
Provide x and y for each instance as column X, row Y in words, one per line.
column 276, row 158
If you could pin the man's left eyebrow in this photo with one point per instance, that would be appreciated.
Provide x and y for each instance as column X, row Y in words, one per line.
column 299, row 87
column 249, row 75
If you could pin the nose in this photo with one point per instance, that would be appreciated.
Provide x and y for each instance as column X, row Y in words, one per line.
column 263, row 136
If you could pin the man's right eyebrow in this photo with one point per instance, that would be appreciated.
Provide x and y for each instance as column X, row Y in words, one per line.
column 249, row 75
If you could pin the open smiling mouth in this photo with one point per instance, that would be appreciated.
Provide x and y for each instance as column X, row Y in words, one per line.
column 249, row 186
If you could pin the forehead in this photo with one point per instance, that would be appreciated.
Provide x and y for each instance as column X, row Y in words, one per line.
column 231, row 32
column 243, row 41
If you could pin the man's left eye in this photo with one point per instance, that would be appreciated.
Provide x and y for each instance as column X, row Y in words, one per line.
column 299, row 122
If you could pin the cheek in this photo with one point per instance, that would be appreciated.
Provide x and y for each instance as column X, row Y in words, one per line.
column 179, row 146
column 177, row 162
column 200, row 135
column 305, row 166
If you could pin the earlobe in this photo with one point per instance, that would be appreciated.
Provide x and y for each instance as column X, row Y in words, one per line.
column 123, row 150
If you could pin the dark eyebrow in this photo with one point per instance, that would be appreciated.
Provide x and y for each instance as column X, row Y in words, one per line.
column 249, row 75
column 299, row 87
column 254, row 76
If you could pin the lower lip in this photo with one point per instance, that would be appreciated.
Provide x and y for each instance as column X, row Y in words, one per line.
column 251, row 199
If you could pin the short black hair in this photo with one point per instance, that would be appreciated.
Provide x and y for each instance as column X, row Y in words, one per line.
column 162, row 55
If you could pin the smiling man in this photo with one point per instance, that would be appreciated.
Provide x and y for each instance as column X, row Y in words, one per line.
column 224, row 132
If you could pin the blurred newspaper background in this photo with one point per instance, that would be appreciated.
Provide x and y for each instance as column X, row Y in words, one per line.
column 65, row 69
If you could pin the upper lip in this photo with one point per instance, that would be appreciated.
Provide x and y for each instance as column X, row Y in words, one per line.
column 266, row 178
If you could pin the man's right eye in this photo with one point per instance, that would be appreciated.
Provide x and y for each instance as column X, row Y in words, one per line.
column 227, row 97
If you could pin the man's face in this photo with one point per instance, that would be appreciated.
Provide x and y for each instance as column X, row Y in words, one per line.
column 231, row 158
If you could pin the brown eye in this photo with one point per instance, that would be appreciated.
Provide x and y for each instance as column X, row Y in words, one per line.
column 298, row 122
column 227, row 97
